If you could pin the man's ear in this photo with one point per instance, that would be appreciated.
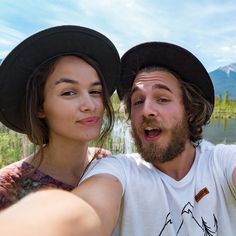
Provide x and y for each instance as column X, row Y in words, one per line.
column 190, row 118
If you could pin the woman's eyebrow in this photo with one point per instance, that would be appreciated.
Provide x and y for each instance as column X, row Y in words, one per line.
column 66, row 80
column 97, row 83
column 71, row 81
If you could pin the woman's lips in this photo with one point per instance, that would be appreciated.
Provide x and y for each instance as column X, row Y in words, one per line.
column 89, row 121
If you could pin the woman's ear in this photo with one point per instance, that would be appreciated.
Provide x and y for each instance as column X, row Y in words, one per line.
column 41, row 114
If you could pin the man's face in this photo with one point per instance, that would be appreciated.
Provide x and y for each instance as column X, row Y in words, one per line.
column 159, row 124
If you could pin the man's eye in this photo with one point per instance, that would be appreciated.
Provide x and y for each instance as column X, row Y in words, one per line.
column 137, row 102
column 163, row 100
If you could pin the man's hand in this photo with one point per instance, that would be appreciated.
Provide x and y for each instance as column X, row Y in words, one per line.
column 98, row 153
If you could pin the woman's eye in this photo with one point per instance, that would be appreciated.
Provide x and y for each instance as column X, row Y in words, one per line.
column 96, row 92
column 68, row 93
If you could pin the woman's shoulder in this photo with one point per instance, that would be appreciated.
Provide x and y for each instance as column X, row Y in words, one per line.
column 13, row 170
column 21, row 178
column 10, row 175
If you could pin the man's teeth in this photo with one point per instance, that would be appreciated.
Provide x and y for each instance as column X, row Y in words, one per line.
column 149, row 128
column 149, row 131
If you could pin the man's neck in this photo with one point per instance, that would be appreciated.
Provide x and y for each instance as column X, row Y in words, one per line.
column 178, row 167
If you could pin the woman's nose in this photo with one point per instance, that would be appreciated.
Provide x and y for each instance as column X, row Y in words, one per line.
column 87, row 104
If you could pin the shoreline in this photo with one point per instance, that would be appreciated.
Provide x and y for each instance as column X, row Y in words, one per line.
column 223, row 115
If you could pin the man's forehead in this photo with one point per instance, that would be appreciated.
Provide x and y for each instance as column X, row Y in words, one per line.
column 157, row 80
column 141, row 81
column 151, row 77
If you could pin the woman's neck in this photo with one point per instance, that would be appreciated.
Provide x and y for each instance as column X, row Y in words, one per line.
column 64, row 162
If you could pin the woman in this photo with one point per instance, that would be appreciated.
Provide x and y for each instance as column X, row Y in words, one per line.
column 55, row 87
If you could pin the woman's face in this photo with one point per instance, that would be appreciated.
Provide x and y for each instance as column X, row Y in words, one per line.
column 73, row 101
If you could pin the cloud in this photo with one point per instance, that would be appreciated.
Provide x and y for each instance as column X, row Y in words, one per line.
column 131, row 21
column 206, row 28
column 11, row 38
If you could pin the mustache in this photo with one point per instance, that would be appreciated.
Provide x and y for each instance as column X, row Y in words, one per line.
column 151, row 122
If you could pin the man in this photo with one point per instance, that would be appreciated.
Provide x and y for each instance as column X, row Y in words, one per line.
column 181, row 185
column 185, row 186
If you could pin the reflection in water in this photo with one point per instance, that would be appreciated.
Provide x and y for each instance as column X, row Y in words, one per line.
column 121, row 139
column 218, row 131
column 225, row 123
column 221, row 131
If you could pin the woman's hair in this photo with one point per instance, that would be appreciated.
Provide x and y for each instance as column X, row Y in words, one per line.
column 197, row 108
column 37, row 128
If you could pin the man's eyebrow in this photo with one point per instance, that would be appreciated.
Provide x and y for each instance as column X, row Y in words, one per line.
column 155, row 86
column 161, row 86
column 134, row 90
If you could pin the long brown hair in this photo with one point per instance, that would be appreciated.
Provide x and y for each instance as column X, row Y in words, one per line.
column 37, row 129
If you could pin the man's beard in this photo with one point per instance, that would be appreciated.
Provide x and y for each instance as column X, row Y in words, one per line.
column 154, row 152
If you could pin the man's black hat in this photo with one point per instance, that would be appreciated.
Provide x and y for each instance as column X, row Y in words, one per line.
column 173, row 57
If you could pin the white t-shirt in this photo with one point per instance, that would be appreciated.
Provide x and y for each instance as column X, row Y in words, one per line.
column 156, row 204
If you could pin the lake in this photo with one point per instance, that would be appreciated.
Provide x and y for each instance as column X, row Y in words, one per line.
column 218, row 131
column 221, row 131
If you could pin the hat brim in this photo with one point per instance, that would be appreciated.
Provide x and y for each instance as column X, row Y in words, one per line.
column 17, row 67
column 167, row 55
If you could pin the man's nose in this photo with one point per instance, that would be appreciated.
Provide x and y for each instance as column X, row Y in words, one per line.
column 149, row 108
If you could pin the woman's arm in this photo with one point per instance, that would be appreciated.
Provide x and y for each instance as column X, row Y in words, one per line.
column 103, row 193
column 91, row 210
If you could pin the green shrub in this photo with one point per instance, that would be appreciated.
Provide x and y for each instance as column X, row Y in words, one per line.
column 10, row 148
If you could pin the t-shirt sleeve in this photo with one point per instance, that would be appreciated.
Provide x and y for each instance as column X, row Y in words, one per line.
column 114, row 165
column 227, row 160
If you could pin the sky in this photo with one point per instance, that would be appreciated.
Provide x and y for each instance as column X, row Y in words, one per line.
column 207, row 28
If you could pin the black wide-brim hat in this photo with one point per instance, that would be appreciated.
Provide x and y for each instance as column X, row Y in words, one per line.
column 43, row 46
column 173, row 57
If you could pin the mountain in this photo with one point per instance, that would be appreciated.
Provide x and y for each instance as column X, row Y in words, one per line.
column 224, row 79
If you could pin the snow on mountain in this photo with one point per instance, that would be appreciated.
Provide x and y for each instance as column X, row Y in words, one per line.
column 224, row 79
